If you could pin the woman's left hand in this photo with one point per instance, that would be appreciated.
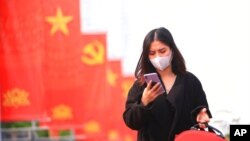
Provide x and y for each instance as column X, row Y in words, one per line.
column 202, row 118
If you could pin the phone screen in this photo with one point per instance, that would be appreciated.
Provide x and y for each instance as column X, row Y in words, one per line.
column 155, row 79
column 153, row 83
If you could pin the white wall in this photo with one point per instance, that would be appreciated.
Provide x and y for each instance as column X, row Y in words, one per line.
column 213, row 35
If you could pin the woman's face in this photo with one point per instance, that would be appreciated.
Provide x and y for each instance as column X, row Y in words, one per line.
column 157, row 48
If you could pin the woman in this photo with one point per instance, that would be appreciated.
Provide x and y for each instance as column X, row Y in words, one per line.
column 157, row 116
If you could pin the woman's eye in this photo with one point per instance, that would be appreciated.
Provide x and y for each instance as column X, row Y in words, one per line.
column 162, row 50
column 151, row 52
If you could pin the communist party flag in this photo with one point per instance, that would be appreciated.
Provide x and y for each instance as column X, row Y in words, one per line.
column 78, row 104
column 93, row 59
column 21, row 54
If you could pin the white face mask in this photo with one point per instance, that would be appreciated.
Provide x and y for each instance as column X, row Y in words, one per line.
column 161, row 63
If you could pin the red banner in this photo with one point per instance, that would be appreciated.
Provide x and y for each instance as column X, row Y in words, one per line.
column 112, row 127
column 21, row 80
column 62, row 66
column 50, row 72
column 126, row 83
column 76, row 101
column 62, row 38
column 115, row 94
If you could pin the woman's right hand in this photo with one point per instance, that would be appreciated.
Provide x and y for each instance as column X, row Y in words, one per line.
column 150, row 93
column 203, row 118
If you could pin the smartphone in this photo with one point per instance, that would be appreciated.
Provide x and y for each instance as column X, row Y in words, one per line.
column 155, row 79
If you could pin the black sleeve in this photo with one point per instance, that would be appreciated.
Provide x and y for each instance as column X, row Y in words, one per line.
column 135, row 114
column 200, row 100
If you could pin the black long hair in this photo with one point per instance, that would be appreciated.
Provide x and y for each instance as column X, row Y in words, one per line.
column 144, row 65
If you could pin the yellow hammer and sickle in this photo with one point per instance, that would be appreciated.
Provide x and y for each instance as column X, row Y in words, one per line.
column 92, row 56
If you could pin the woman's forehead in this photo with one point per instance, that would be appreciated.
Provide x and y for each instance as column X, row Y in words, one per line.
column 158, row 45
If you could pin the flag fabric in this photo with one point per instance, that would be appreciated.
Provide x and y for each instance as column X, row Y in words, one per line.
column 51, row 72
column 21, row 55
column 114, row 127
column 62, row 69
column 93, row 48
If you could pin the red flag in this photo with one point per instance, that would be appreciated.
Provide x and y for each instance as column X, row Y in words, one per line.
column 127, row 82
column 113, row 126
column 21, row 81
column 73, row 104
column 114, row 91
column 62, row 37
column 117, row 130
column 62, row 66
column 93, row 58
column 94, row 68
column 43, row 52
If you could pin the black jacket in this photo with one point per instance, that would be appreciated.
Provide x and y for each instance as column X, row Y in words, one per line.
column 169, row 114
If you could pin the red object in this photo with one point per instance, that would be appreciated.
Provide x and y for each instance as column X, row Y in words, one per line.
column 78, row 83
column 194, row 135
column 21, row 49
column 51, row 72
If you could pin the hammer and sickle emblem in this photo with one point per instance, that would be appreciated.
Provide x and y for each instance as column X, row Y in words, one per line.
column 93, row 53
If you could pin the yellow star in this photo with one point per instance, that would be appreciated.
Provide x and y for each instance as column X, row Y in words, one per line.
column 126, row 86
column 111, row 77
column 59, row 22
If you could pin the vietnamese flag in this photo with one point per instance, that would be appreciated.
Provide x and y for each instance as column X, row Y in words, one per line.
column 117, row 85
column 113, row 96
column 63, row 70
column 126, row 84
column 114, row 91
column 62, row 37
